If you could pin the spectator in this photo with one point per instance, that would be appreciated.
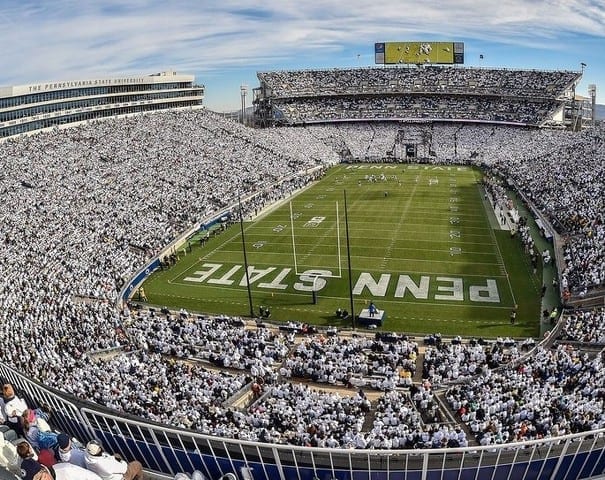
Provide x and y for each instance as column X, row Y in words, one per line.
column 69, row 453
column 39, row 438
column 111, row 467
column 33, row 470
column 47, row 458
column 9, row 458
column 69, row 471
column 14, row 407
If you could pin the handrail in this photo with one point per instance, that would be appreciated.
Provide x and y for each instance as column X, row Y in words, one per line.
column 169, row 450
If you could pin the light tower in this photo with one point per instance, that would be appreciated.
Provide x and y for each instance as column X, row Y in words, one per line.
column 592, row 92
column 243, row 90
column 576, row 105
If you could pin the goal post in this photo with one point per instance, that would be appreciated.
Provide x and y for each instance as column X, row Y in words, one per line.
column 338, row 248
column 314, row 291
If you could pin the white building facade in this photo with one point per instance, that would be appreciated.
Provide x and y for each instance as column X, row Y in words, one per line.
column 40, row 106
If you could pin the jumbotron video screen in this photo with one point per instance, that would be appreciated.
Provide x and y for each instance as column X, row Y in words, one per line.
column 418, row 53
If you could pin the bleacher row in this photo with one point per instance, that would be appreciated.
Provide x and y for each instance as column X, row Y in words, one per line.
column 425, row 79
column 417, row 107
column 526, row 97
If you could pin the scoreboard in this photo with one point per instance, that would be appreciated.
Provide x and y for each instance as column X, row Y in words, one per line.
column 418, row 53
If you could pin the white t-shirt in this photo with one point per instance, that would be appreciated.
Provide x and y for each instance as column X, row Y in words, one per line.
column 15, row 406
column 69, row 471
column 74, row 455
column 106, row 466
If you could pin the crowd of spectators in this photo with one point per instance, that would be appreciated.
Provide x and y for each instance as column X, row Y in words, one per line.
column 455, row 360
column 586, row 326
column 299, row 414
column 302, row 110
column 553, row 392
column 151, row 386
column 427, row 92
column 398, row 423
column 353, row 361
column 563, row 178
column 31, row 449
column 220, row 340
column 302, row 415
column 88, row 206
column 431, row 79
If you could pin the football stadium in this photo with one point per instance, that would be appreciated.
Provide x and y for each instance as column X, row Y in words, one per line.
column 395, row 272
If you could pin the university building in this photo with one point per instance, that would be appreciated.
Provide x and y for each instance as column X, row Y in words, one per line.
column 39, row 106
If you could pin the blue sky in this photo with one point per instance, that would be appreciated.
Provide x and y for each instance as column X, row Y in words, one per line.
column 224, row 43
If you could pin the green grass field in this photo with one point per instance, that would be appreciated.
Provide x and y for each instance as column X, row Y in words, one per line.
column 422, row 247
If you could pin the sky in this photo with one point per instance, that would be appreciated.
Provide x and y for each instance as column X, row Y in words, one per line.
column 225, row 42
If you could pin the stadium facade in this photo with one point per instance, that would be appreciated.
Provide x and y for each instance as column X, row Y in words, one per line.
column 39, row 106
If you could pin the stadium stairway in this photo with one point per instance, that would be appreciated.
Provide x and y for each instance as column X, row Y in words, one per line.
column 244, row 400
column 368, row 423
column 417, row 378
column 453, row 419
column 448, row 416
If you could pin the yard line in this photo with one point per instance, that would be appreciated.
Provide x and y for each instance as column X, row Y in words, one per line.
column 445, row 251
column 500, row 258
column 305, row 295
column 378, row 272
column 400, row 222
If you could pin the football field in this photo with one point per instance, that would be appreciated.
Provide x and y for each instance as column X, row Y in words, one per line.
column 422, row 247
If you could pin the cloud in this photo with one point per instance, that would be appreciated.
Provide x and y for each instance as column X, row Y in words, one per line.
column 69, row 39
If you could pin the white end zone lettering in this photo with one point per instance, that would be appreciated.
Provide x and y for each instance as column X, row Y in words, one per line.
column 309, row 276
column 489, row 293
column 455, row 290
column 452, row 289
column 377, row 289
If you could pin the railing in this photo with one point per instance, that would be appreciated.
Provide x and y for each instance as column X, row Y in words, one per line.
column 170, row 450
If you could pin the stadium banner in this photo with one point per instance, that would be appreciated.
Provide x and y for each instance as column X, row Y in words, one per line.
column 419, row 53
column 138, row 279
